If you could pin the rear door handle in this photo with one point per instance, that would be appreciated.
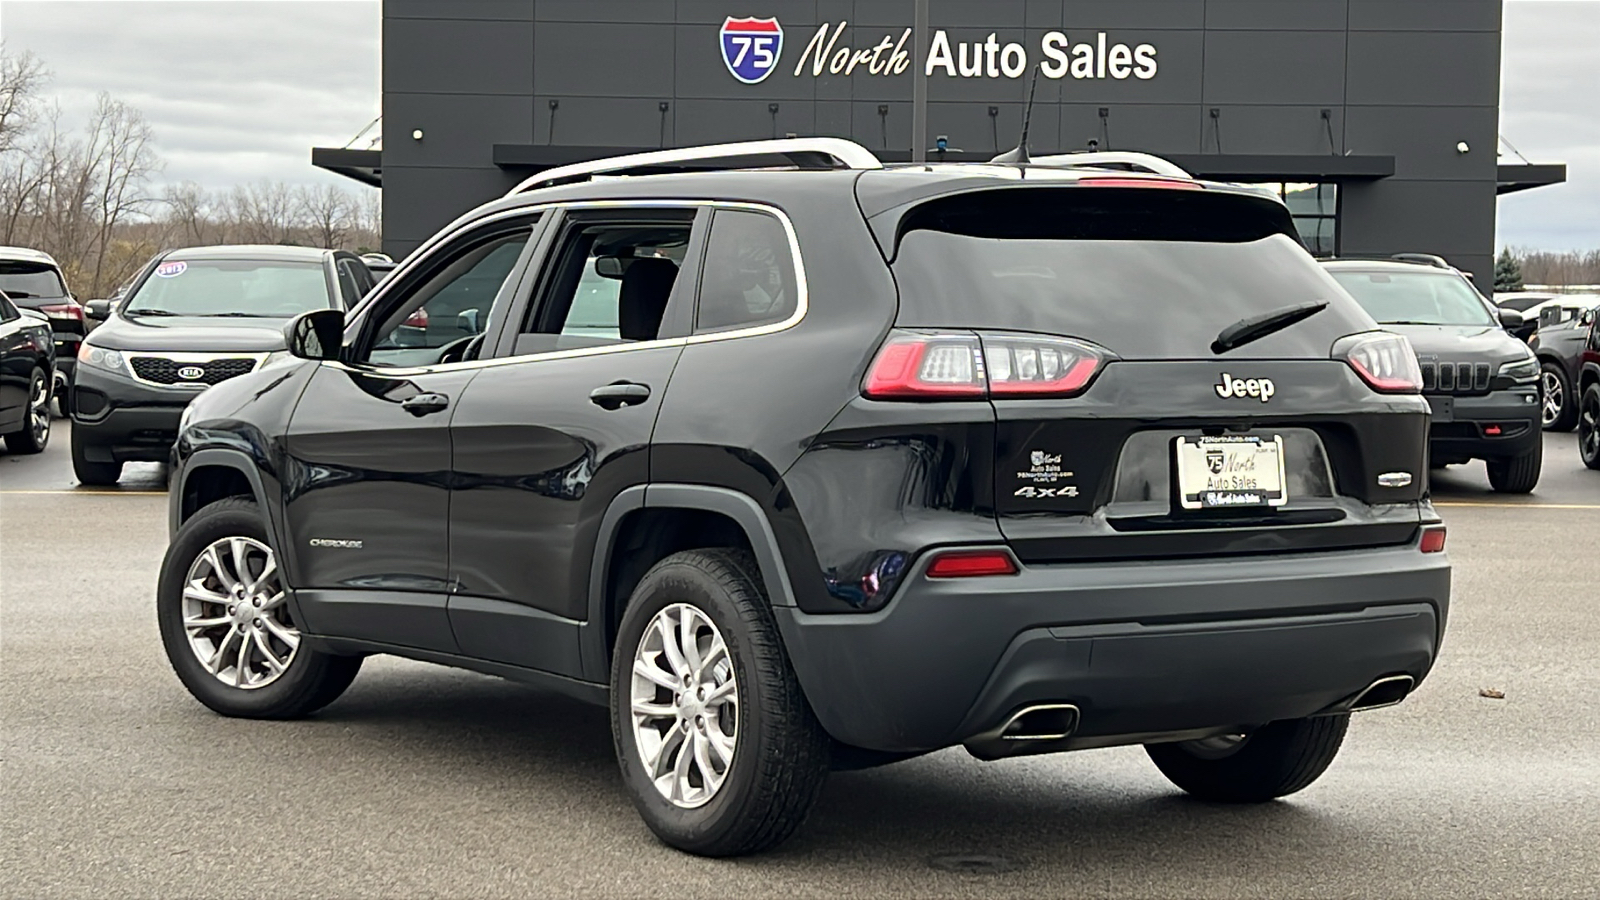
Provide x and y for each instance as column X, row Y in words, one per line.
column 619, row 394
column 423, row 404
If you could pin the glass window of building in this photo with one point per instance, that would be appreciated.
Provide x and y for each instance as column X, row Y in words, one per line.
column 1315, row 210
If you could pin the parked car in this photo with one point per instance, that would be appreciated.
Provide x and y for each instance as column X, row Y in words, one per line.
column 861, row 464
column 193, row 319
column 1588, row 384
column 33, row 280
column 1541, row 310
column 1559, row 347
column 27, row 377
column 380, row 264
column 1482, row 383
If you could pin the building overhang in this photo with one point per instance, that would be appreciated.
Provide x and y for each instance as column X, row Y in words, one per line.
column 532, row 158
column 365, row 166
column 1513, row 177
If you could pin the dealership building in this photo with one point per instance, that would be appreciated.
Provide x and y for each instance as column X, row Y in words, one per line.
column 1378, row 120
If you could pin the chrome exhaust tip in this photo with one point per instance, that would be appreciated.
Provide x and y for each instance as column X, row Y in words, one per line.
column 1035, row 728
column 1386, row 691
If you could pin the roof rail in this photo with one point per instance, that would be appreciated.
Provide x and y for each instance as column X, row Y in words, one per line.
column 805, row 153
column 1115, row 159
column 1422, row 259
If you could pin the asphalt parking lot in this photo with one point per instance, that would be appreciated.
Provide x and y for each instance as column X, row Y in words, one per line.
column 423, row 781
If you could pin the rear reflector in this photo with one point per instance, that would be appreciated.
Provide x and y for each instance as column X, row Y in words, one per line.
column 1432, row 539
column 1116, row 181
column 971, row 564
column 964, row 365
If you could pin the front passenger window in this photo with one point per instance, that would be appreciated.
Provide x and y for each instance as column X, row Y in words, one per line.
column 438, row 321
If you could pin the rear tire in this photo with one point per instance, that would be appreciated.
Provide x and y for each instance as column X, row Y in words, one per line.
column 1273, row 761
column 1559, row 409
column 90, row 472
column 1517, row 475
column 1589, row 427
column 302, row 680
column 34, row 433
column 766, row 775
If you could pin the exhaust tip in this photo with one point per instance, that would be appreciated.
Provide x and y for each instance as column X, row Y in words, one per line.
column 1040, row 722
column 1383, row 692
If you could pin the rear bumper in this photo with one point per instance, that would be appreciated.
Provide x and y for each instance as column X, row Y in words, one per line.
column 1467, row 434
column 1143, row 650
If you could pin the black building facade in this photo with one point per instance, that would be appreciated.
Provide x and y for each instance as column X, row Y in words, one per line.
column 1378, row 119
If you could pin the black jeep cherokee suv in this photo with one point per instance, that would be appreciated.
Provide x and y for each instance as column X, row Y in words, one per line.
column 1482, row 382
column 835, row 465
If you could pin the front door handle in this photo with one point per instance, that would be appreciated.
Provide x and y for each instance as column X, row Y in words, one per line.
column 619, row 394
column 424, row 404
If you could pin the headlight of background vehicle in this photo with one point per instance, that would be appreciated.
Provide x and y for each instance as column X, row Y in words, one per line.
column 101, row 358
column 1521, row 370
column 275, row 357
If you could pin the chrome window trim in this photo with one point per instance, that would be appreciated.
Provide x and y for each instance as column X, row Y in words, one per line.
column 802, row 287
column 259, row 358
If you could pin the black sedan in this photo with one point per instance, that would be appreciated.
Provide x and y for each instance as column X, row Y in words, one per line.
column 1559, row 347
column 27, row 377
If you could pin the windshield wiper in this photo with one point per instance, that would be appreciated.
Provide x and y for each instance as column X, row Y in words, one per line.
column 1246, row 330
column 149, row 312
column 240, row 315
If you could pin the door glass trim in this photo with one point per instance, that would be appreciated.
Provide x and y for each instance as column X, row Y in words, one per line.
column 802, row 298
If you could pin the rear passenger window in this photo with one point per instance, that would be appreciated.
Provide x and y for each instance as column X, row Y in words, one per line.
column 748, row 275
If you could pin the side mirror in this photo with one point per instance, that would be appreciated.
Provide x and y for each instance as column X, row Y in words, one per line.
column 318, row 334
column 98, row 310
column 467, row 320
column 1511, row 320
column 1586, row 318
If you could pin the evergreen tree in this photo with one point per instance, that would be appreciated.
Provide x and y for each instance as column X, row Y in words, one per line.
column 1507, row 272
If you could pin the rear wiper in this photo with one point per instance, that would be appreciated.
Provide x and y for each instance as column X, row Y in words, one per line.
column 1246, row 330
column 24, row 295
column 149, row 312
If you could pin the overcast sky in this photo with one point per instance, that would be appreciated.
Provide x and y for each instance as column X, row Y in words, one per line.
column 240, row 90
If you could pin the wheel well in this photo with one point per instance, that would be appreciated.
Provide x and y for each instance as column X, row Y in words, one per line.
column 648, row 536
column 208, row 484
column 1586, row 378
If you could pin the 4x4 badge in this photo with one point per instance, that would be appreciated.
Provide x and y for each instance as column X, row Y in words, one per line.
column 1260, row 388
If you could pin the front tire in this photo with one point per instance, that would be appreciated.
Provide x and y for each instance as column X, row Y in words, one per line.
column 718, row 747
column 1273, row 761
column 90, row 472
column 1589, row 427
column 1559, row 409
column 1517, row 475
column 227, row 627
column 34, row 434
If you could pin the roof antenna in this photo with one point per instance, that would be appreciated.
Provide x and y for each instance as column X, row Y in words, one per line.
column 1019, row 154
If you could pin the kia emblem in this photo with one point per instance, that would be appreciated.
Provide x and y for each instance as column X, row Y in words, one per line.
column 191, row 373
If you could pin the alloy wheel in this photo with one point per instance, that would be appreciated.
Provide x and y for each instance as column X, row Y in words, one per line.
column 1589, row 427
column 39, row 409
column 234, row 614
column 1554, row 397
column 684, row 702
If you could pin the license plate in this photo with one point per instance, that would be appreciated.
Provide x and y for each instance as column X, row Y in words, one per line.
column 1230, row 471
column 1444, row 408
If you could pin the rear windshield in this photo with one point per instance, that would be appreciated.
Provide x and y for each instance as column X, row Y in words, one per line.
column 274, row 289
column 1416, row 298
column 26, row 280
column 1152, row 287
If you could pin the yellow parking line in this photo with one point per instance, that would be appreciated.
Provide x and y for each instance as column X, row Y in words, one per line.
column 94, row 493
column 1517, row 505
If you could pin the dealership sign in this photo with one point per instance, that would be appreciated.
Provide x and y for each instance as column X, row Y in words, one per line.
column 751, row 49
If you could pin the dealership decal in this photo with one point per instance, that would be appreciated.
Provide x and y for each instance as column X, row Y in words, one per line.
column 751, row 47
column 171, row 269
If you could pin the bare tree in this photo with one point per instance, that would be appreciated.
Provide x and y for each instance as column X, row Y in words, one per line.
column 190, row 215
column 21, row 76
column 262, row 213
column 119, row 145
column 369, row 220
column 327, row 212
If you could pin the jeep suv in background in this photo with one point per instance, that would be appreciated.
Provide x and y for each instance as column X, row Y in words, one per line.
column 1559, row 346
column 33, row 280
column 823, row 463
column 193, row 319
column 1482, row 383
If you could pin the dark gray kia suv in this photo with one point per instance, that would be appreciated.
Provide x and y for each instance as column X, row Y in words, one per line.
column 806, row 462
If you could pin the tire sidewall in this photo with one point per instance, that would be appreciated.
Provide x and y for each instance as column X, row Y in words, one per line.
column 225, row 519
column 667, row 584
column 1590, row 398
column 1566, row 416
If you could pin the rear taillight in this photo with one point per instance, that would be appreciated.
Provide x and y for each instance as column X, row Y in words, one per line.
column 1118, row 181
column 68, row 310
column 1384, row 361
column 971, row 564
column 955, row 366
column 418, row 319
column 1432, row 539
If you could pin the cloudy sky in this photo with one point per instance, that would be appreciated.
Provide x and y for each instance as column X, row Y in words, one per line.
column 239, row 90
